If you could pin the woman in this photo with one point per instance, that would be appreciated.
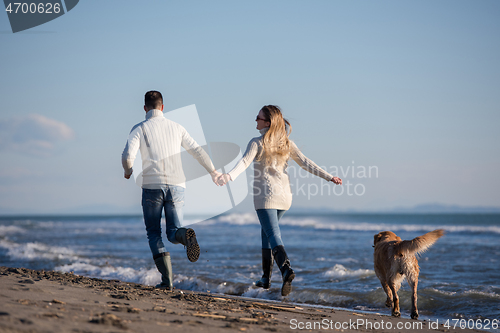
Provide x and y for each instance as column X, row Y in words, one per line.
column 271, row 190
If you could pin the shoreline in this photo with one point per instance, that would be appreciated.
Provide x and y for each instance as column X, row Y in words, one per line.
column 48, row 301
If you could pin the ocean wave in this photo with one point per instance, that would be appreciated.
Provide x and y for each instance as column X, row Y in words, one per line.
column 465, row 293
column 236, row 219
column 149, row 276
column 201, row 284
column 143, row 275
column 36, row 250
column 197, row 283
column 352, row 226
column 10, row 229
column 254, row 292
column 325, row 297
column 481, row 294
column 340, row 272
column 93, row 227
column 324, row 223
column 299, row 294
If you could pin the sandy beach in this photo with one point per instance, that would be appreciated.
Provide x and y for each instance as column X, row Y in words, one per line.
column 47, row 301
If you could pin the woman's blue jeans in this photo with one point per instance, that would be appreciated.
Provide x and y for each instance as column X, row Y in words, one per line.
column 168, row 198
column 270, row 229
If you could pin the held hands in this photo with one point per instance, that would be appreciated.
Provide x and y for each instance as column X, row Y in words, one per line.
column 219, row 179
column 337, row 180
column 215, row 177
column 223, row 179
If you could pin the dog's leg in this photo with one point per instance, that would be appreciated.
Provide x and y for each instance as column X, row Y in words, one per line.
column 395, row 299
column 388, row 292
column 413, row 283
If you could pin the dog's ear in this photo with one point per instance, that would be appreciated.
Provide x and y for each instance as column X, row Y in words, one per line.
column 377, row 238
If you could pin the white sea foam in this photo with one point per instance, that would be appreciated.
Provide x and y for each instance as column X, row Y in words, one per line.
column 254, row 292
column 94, row 227
column 109, row 272
column 197, row 283
column 344, row 260
column 324, row 223
column 36, row 250
column 79, row 267
column 443, row 292
column 227, row 288
column 340, row 272
column 239, row 219
column 348, row 260
column 150, row 277
column 467, row 293
column 360, row 226
column 10, row 229
column 192, row 283
column 481, row 293
column 300, row 296
column 321, row 297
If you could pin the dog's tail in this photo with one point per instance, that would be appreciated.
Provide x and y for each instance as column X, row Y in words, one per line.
column 420, row 244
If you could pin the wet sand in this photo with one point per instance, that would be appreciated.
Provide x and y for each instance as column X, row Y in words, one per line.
column 47, row 301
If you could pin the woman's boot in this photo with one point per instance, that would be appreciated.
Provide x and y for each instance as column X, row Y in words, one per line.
column 164, row 265
column 187, row 237
column 287, row 272
column 267, row 268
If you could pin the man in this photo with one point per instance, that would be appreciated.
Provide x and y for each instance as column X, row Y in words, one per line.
column 160, row 141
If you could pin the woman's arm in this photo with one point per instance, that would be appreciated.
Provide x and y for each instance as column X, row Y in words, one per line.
column 310, row 166
column 246, row 160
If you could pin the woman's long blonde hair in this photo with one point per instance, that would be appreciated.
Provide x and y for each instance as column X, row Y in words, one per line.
column 275, row 142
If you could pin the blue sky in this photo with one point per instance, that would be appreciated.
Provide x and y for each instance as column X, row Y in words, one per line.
column 410, row 87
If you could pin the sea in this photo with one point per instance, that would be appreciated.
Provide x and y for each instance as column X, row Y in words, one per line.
column 332, row 256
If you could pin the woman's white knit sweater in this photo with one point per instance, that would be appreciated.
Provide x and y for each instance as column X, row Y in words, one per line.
column 271, row 187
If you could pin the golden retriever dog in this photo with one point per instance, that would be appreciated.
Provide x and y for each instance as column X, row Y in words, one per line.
column 394, row 260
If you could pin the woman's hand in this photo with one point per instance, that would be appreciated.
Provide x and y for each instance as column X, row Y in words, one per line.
column 223, row 179
column 337, row 180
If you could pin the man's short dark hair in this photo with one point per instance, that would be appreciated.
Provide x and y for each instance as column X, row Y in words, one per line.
column 153, row 100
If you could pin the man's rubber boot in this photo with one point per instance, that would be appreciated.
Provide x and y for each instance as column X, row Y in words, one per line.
column 267, row 268
column 287, row 272
column 164, row 265
column 187, row 237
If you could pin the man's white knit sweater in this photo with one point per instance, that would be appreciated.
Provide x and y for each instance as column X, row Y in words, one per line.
column 271, row 187
column 159, row 140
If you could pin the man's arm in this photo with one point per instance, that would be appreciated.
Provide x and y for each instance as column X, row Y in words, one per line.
column 130, row 152
column 193, row 148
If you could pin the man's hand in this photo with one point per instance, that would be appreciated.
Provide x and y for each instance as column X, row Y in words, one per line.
column 127, row 176
column 215, row 177
column 337, row 180
column 223, row 179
